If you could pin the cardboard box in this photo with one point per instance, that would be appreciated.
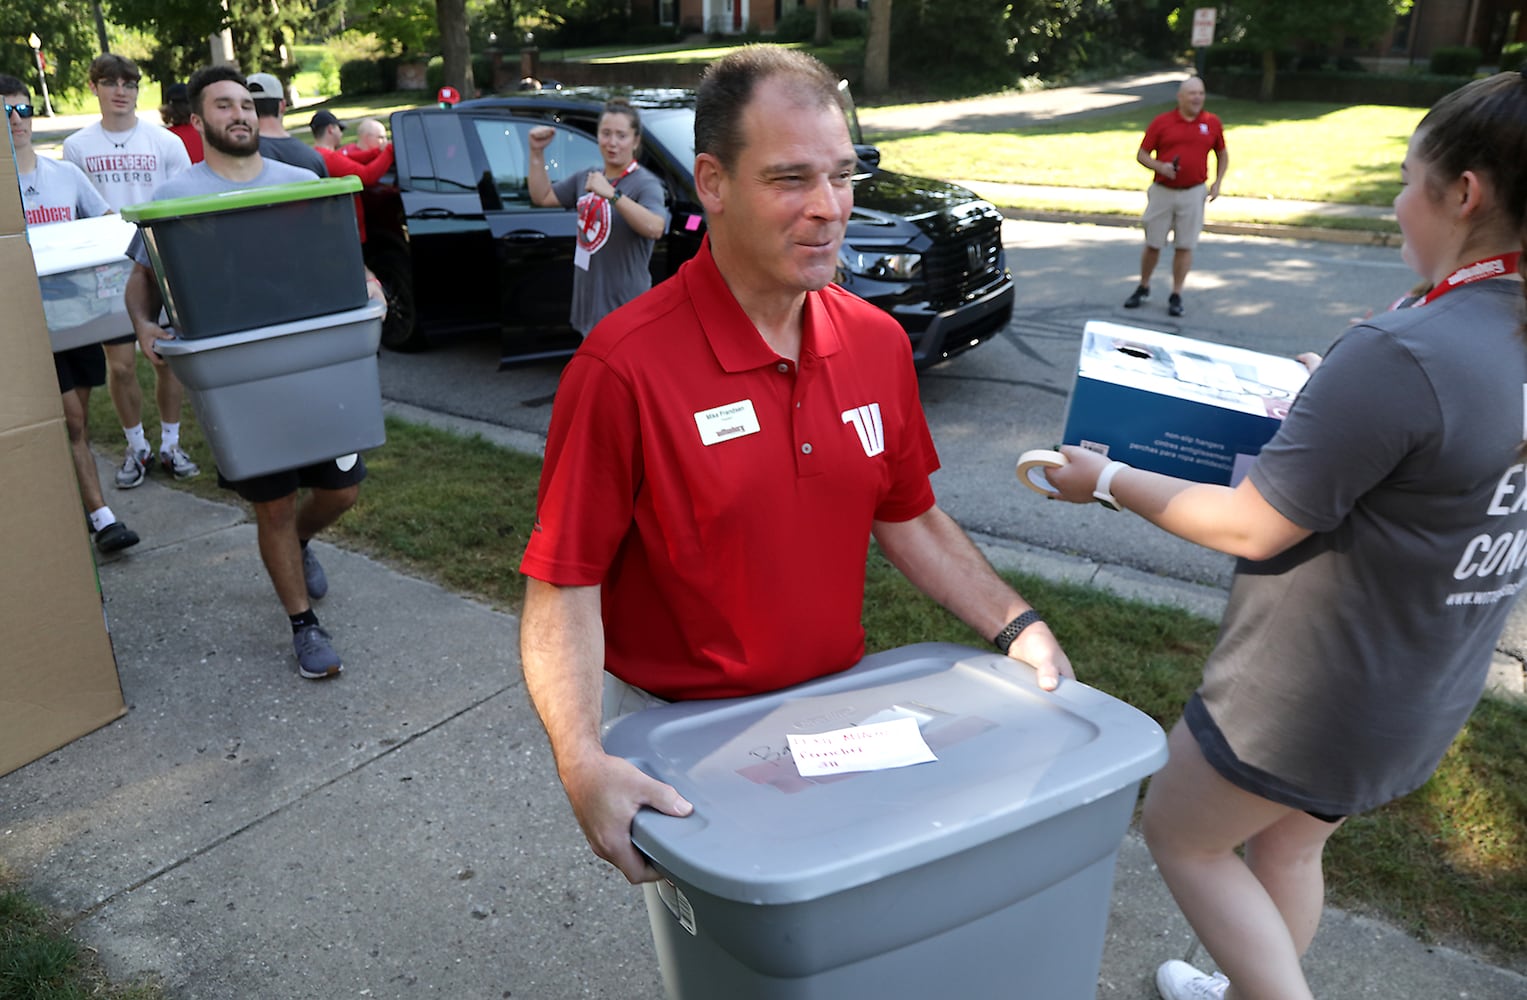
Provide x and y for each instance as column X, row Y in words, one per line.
column 12, row 219
column 58, row 678
column 1178, row 406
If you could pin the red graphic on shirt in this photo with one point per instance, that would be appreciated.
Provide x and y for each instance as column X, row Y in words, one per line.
column 593, row 222
column 44, row 215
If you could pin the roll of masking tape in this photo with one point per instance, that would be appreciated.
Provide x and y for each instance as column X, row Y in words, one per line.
column 1032, row 466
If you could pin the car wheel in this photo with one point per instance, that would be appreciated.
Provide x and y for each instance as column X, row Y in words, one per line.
column 389, row 261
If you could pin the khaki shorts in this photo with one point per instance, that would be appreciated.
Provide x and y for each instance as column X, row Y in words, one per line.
column 1179, row 211
column 621, row 699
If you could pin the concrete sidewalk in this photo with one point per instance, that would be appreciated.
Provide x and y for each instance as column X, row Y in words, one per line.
column 399, row 832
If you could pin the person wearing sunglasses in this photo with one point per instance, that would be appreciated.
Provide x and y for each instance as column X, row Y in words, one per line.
column 54, row 191
column 125, row 158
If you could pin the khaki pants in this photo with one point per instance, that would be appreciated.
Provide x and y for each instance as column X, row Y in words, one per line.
column 621, row 699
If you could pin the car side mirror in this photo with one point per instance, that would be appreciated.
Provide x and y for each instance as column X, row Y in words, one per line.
column 869, row 156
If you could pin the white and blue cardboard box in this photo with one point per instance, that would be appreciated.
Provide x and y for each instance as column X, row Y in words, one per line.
column 1174, row 405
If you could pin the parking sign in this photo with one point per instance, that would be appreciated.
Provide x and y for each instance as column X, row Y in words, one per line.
column 1203, row 27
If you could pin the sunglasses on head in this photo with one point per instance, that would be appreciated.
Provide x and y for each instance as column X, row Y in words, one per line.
column 22, row 110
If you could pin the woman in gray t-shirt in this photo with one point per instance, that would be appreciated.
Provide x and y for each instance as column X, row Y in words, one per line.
column 621, row 214
column 1382, row 537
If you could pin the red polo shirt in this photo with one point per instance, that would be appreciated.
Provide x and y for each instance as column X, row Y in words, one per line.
column 723, row 496
column 1171, row 135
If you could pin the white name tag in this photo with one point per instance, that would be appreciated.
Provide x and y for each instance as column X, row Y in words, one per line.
column 733, row 420
column 581, row 258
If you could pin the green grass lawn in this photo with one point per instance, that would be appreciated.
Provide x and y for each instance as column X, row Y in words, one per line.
column 1306, row 152
column 1448, row 863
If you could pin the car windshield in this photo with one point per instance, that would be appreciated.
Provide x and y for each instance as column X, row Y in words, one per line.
column 674, row 130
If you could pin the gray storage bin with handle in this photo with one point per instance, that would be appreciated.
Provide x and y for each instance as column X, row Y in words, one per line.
column 288, row 395
column 985, row 873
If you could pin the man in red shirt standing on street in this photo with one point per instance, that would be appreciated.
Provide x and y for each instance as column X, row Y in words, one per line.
column 1176, row 147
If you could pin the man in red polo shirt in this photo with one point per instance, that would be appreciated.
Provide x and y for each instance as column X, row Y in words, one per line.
column 1176, row 147
column 721, row 451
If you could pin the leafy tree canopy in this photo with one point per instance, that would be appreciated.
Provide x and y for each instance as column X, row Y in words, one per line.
column 1275, row 24
column 182, row 29
column 66, row 29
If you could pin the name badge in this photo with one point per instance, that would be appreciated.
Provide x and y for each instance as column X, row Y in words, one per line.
column 581, row 258
column 733, row 420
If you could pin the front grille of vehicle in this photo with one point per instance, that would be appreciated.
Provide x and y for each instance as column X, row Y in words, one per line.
column 963, row 262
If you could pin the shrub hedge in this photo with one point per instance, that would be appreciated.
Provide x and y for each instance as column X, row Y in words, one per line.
column 1406, row 91
column 1455, row 60
column 799, row 24
column 1513, row 57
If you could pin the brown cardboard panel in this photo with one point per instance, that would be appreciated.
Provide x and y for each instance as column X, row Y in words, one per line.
column 28, row 385
column 58, row 678
column 12, row 221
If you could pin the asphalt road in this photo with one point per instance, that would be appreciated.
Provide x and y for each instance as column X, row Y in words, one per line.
column 1008, row 395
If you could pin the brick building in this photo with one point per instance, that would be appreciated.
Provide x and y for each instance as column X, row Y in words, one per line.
column 1432, row 24
column 729, row 17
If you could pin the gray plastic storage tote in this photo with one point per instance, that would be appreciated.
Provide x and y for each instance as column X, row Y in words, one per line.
column 285, row 396
column 983, row 874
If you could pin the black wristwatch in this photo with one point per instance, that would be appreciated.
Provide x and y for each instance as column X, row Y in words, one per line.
column 1009, row 634
column 616, row 196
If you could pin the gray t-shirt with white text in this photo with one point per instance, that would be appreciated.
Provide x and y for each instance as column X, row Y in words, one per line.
column 1346, row 665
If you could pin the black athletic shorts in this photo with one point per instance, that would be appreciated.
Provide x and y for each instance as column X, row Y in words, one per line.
column 322, row 476
column 80, row 367
column 126, row 338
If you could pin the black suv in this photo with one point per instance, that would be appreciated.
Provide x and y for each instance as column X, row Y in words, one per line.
column 458, row 245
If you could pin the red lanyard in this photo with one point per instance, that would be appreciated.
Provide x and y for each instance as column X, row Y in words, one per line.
column 629, row 167
column 1480, row 270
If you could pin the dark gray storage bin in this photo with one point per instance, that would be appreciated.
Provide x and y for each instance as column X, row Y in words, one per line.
column 984, row 874
column 285, row 396
column 255, row 257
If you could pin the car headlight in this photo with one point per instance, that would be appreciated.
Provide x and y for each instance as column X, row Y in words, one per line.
column 880, row 265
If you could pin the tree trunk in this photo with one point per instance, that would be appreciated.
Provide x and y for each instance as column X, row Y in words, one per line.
column 1269, row 75
column 824, row 23
column 100, row 27
column 877, row 49
column 455, row 49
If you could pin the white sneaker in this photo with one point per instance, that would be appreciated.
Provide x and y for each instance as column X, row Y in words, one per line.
column 133, row 468
column 176, row 462
column 1180, row 981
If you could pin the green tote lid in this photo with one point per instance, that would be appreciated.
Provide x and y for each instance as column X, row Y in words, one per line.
column 256, row 197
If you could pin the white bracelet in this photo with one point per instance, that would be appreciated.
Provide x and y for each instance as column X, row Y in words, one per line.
column 1103, row 491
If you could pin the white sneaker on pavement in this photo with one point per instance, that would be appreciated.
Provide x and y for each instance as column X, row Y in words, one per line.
column 1180, row 981
column 133, row 469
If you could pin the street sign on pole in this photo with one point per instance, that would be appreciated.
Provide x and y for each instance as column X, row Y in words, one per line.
column 1203, row 27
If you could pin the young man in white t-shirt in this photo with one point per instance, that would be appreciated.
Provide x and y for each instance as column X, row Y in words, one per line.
column 125, row 158
column 52, row 191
